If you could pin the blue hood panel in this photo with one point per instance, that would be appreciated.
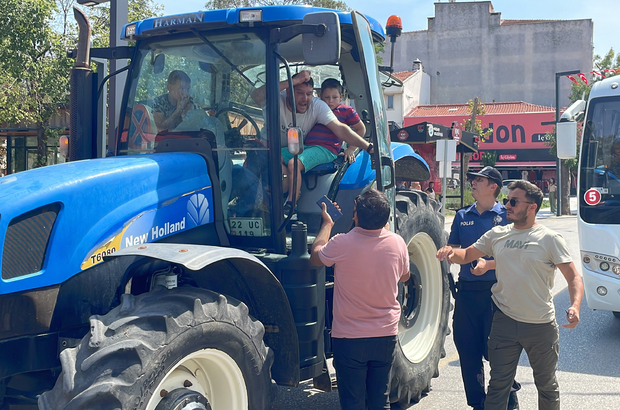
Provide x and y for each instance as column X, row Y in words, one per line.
column 409, row 166
column 105, row 205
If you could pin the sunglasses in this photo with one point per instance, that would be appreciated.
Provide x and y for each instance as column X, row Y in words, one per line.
column 513, row 202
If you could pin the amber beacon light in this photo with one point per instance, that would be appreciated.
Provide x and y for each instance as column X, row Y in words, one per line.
column 393, row 28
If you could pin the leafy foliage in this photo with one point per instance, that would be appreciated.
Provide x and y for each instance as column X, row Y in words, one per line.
column 550, row 139
column 474, row 125
column 611, row 60
column 225, row 4
column 379, row 49
column 3, row 164
column 99, row 17
column 34, row 68
column 569, row 166
column 477, row 124
column 489, row 158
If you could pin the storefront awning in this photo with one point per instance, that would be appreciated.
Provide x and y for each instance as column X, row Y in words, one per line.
column 514, row 164
column 427, row 132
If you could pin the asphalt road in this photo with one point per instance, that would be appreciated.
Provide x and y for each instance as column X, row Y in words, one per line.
column 588, row 369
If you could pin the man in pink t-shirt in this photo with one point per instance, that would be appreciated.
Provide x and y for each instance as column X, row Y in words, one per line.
column 369, row 262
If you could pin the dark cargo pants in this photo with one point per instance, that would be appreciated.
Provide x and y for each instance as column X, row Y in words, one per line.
column 507, row 340
column 473, row 315
column 363, row 372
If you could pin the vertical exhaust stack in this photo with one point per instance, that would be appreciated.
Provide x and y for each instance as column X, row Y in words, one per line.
column 82, row 120
column 83, row 48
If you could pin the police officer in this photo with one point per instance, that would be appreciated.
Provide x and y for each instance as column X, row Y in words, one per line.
column 473, row 310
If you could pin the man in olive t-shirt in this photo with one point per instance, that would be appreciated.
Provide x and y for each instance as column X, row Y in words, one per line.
column 526, row 255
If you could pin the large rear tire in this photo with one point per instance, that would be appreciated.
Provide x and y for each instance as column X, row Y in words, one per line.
column 425, row 299
column 161, row 349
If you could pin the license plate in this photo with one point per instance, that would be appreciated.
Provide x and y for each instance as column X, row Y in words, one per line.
column 246, row 226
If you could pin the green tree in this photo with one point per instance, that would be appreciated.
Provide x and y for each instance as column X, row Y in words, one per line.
column 379, row 49
column 3, row 164
column 473, row 124
column 34, row 69
column 489, row 158
column 569, row 166
column 99, row 17
column 610, row 61
column 225, row 4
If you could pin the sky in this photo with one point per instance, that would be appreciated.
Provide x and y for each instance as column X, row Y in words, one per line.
column 414, row 13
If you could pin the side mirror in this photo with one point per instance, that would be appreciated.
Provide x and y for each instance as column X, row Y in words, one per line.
column 158, row 64
column 566, row 139
column 325, row 48
column 206, row 67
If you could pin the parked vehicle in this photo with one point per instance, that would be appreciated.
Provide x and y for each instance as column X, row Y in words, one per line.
column 598, row 192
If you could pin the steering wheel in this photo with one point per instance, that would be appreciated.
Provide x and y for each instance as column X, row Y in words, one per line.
column 236, row 130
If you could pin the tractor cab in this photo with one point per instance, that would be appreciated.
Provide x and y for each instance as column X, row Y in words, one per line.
column 198, row 84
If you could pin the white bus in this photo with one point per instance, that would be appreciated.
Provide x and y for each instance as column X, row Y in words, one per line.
column 599, row 197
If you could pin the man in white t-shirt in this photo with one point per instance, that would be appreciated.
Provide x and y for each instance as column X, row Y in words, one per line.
column 310, row 111
column 526, row 255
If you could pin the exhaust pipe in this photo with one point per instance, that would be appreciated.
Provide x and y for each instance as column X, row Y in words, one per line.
column 83, row 46
column 82, row 119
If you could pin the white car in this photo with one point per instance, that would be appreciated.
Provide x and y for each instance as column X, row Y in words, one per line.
column 505, row 185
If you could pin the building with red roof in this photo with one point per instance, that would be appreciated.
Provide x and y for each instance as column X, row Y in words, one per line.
column 518, row 136
column 469, row 50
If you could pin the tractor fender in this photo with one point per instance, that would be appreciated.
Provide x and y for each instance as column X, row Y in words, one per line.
column 409, row 165
column 239, row 274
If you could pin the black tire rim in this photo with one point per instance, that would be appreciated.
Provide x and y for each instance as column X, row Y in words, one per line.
column 183, row 399
column 410, row 298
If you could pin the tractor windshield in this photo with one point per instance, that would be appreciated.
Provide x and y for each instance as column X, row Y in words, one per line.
column 199, row 86
column 191, row 84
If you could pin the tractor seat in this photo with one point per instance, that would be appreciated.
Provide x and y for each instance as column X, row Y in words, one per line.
column 327, row 168
column 311, row 177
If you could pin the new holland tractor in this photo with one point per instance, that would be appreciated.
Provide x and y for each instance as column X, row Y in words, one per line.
column 164, row 275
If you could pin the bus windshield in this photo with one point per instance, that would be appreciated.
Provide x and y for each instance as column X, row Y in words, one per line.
column 600, row 163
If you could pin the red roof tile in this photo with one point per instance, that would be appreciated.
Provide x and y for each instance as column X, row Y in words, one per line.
column 518, row 107
column 403, row 75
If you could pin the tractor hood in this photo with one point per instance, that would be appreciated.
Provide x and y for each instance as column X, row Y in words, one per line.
column 85, row 210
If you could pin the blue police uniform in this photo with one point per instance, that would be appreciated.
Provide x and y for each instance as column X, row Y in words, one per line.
column 473, row 310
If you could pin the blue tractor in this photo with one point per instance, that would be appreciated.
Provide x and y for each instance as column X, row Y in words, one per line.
column 165, row 275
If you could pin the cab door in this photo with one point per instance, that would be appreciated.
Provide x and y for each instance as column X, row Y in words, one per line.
column 378, row 121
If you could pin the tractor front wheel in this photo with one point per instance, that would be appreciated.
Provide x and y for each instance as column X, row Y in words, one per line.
column 425, row 299
column 183, row 348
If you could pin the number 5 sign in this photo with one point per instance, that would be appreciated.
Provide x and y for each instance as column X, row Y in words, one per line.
column 592, row 196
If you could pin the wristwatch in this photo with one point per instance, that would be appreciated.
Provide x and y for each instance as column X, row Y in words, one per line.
column 370, row 147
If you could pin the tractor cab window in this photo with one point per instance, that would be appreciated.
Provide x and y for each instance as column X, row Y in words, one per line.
column 199, row 87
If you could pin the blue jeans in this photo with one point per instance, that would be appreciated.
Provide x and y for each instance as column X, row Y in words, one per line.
column 363, row 370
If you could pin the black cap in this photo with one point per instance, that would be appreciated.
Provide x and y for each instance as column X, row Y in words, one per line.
column 488, row 172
